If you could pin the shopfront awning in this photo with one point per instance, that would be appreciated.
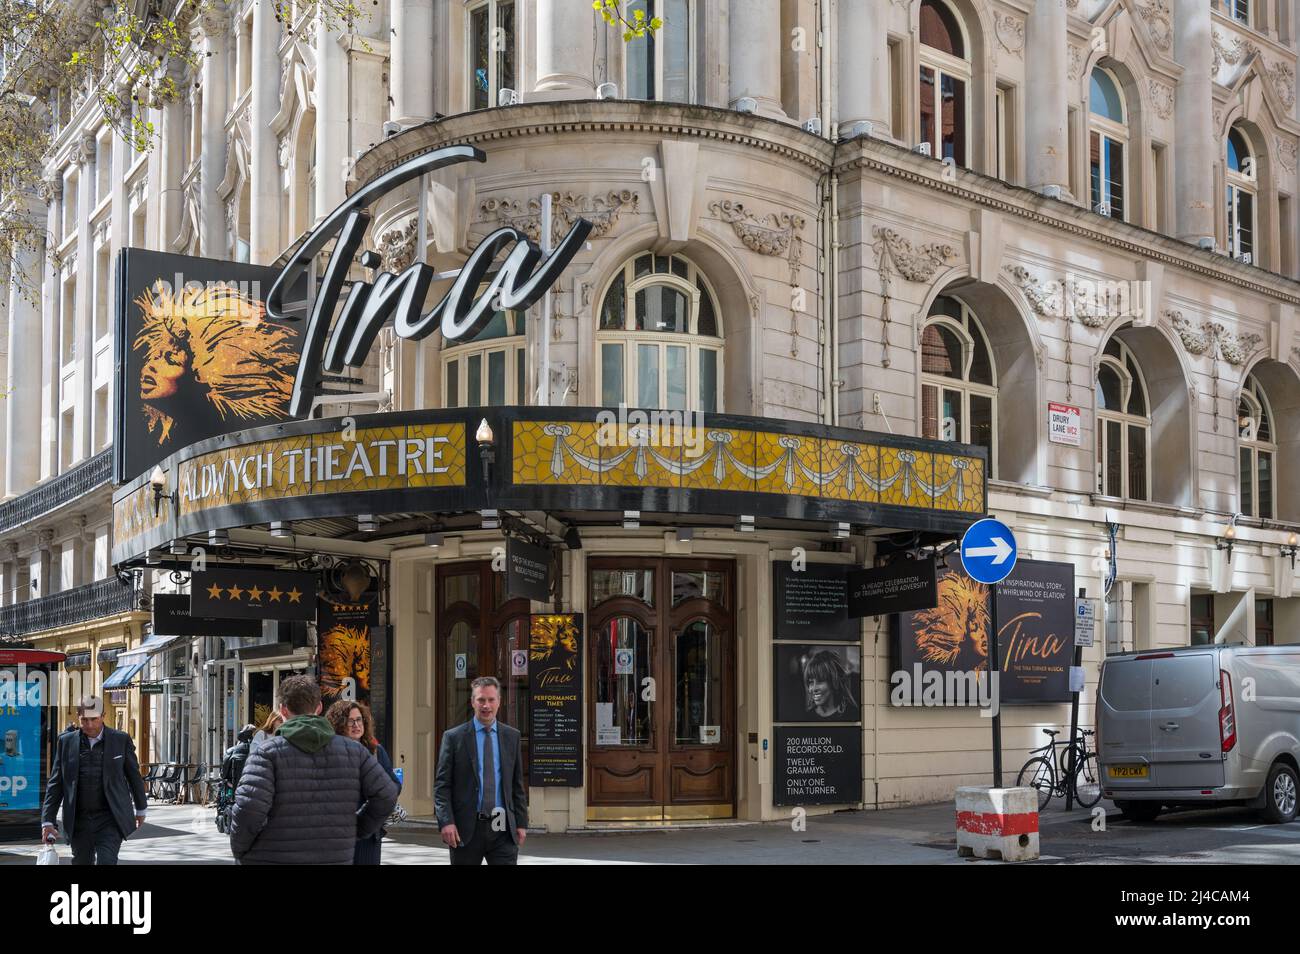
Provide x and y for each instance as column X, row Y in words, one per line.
column 121, row 677
column 154, row 644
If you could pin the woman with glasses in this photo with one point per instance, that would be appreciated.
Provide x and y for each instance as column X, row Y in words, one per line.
column 353, row 719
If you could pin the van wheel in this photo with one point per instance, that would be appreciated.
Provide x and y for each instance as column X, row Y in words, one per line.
column 1139, row 811
column 1280, row 795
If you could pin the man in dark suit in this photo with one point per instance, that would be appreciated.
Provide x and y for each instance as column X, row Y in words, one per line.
column 96, row 779
column 478, row 792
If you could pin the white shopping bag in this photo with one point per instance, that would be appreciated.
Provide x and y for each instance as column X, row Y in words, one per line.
column 48, row 855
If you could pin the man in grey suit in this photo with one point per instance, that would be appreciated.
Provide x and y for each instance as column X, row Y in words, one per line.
column 478, row 792
column 96, row 780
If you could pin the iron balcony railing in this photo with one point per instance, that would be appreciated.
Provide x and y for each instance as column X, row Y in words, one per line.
column 109, row 597
column 57, row 491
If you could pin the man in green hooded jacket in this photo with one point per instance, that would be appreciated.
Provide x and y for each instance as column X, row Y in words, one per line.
column 298, row 796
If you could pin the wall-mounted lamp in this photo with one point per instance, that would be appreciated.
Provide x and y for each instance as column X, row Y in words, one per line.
column 158, row 480
column 840, row 531
column 433, row 540
column 685, row 534
column 487, row 451
column 1289, row 548
column 631, row 519
column 280, row 529
column 366, row 523
column 1225, row 542
column 218, row 538
column 745, row 523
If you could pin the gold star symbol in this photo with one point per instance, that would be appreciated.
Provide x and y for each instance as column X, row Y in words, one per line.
column 294, row 595
column 255, row 593
column 235, row 592
column 275, row 593
column 214, row 592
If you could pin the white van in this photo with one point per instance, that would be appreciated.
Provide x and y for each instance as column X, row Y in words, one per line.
column 1201, row 725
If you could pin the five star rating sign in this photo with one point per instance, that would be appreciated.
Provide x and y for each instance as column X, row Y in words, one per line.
column 253, row 594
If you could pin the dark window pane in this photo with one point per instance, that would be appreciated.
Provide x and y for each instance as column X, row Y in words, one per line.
column 939, row 28
column 1137, row 401
column 927, row 105
column 1247, row 483
column 954, row 120
column 1114, row 459
column 453, row 384
column 1245, row 420
column 699, row 584
column 1095, row 171
column 945, row 305
column 1137, row 462
column 506, row 54
column 644, row 266
column 679, row 267
column 941, row 351
column 521, row 376
column 474, row 380
column 708, row 381
column 514, row 689
column 1109, row 389
column 461, row 641
column 981, row 421
column 496, row 378
column 1245, row 223
column 707, row 321
column 697, row 692
column 1115, row 177
column 479, row 43
column 613, row 311
column 662, row 308
column 619, row 702
column 607, row 584
column 981, row 366
column 1265, row 484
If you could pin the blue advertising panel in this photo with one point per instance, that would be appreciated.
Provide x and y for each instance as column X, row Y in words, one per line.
column 20, row 745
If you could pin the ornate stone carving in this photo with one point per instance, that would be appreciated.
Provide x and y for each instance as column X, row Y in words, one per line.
column 1086, row 301
column 85, row 151
column 602, row 211
column 916, row 263
column 1233, row 54
column 1283, row 78
column 1159, row 20
column 1214, row 339
column 1011, row 33
column 396, row 246
column 1076, row 62
column 282, row 152
column 1286, row 153
column 1162, row 98
column 772, row 234
column 50, row 188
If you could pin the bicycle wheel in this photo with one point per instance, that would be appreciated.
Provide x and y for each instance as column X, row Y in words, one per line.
column 1063, row 760
column 1038, row 774
column 1087, row 782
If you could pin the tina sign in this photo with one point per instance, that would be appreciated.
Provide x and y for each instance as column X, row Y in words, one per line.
column 522, row 279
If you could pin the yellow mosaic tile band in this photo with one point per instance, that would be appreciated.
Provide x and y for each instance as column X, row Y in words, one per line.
column 582, row 453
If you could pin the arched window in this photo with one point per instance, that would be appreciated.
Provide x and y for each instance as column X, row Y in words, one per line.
column 491, row 368
column 660, row 338
column 659, row 65
column 1107, row 142
column 1258, row 451
column 1123, row 425
column 959, row 395
column 1242, row 183
column 945, row 82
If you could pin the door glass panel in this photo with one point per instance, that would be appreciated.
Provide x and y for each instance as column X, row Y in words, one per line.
column 619, row 702
column 461, row 588
column 514, row 701
column 462, row 641
column 676, row 374
column 607, row 584
column 697, row 685
column 699, row 584
column 647, row 376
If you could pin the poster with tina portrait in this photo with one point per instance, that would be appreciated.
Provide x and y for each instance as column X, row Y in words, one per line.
column 196, row 354
column 818, row 683
column 345, row 615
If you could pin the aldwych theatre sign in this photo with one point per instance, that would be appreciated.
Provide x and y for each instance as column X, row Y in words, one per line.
column 523, row 278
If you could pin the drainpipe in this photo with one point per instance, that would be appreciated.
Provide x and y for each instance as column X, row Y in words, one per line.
column 829, row 224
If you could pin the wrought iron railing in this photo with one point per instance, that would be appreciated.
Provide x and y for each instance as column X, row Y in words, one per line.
column 57, row 491
column 110, row 597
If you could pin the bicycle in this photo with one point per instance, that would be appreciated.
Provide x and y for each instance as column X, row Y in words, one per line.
column 1040, row 772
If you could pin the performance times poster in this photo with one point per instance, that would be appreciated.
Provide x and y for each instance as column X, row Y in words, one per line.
column 555, row 694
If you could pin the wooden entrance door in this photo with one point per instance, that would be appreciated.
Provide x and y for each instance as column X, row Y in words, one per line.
column 661, row 718
column 477, row 628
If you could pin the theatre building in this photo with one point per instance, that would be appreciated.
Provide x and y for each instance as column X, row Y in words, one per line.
column 818, row 286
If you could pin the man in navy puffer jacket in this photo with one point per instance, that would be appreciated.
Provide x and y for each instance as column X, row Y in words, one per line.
column 298, row 795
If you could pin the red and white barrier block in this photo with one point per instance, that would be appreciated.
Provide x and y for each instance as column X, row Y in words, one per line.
column 997, row 823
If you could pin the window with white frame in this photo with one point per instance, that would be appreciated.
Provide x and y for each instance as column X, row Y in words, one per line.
column 1107, row 144
column 489, row 370
column 491, row 51
column 1242, row 182
column 659, row 64
column 1123, row 425
column 659, row 337
column 1258, row 451
column 959, row 395
column 945, row 82
column 1239, row 10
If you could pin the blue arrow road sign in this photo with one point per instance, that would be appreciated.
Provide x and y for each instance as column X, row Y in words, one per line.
column 988, row 551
